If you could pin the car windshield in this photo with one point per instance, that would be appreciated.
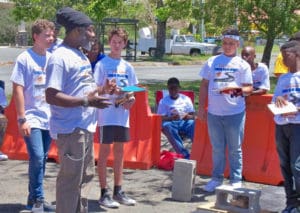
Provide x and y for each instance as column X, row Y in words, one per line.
column 190, row 38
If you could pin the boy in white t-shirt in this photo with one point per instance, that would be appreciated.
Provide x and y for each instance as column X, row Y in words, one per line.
column 288, row 125
column 178, row 115
column 226, row 79
column 114, row 120
column 260, row 72
column 33, row 113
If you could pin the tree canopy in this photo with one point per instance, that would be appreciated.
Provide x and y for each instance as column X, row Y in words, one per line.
column 272, row 18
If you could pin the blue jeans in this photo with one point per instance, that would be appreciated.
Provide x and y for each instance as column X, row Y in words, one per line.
column 226, row 131
column 172, row 130
column 38, row 144
column 288, row 148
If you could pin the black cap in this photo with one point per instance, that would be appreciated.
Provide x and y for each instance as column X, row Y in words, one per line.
column 70, row 18
column 290, row 44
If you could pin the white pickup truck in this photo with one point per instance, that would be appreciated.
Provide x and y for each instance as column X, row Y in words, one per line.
column 179, row 45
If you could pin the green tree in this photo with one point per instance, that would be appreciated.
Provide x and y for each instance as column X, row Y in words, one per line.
column 271, row 17
column 29, row 10
column 166, row 9
column 8, row 27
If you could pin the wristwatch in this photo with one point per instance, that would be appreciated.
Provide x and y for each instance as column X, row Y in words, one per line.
column 21, row 120
column 85, row 101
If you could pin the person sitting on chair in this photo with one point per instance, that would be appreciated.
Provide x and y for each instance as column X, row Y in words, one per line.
column 178, row 115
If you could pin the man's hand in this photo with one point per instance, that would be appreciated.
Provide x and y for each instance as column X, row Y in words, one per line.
column 280, row 102
column 187, row 116
column 97, row 101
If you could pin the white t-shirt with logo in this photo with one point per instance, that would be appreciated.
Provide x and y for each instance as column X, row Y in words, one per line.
column 123, row 72
column 70, row 72
column 288, row 86
column 222, row 71
column 181, row 105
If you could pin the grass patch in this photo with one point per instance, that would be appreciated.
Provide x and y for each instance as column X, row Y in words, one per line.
column 179, row 59
column 188, row 60
column 260, row 49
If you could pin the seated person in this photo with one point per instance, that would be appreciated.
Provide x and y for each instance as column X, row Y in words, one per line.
column 3, row 120
column 178, row 115
column 260, row 72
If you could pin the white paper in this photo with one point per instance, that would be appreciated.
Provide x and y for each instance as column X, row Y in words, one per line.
column 289, row 108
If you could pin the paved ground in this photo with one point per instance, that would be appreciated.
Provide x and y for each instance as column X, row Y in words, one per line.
column 151, row 188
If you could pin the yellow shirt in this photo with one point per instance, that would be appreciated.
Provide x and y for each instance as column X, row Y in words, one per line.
column 280, row 67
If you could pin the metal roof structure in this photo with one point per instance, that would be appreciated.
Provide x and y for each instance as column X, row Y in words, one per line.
column 115, row 22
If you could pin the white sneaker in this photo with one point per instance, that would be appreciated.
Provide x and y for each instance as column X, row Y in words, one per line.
column 212, row 185
column 108, row 202
column 38, row 207
column 236, row 184
column 3, row 157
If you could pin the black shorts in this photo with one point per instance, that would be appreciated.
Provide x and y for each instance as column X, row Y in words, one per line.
column 110, row 134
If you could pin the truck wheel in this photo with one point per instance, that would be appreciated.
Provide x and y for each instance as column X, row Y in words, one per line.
column 152, row 52
column 195, row 52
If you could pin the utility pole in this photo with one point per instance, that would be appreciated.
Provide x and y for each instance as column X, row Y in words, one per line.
column 202, row 26
column 236, row 13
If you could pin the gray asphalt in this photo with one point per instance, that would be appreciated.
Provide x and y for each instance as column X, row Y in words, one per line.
column 151, row 188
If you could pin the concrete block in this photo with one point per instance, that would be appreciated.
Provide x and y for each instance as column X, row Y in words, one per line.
column 183, row 179
column 243, row 200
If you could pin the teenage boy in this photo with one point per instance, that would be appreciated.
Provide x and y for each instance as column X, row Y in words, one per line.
column 29, row 78
column 288, row 125
column 226, row 79
column 114, row 120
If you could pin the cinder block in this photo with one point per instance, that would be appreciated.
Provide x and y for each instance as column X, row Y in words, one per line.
column 183, row 179
column 243, row 200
